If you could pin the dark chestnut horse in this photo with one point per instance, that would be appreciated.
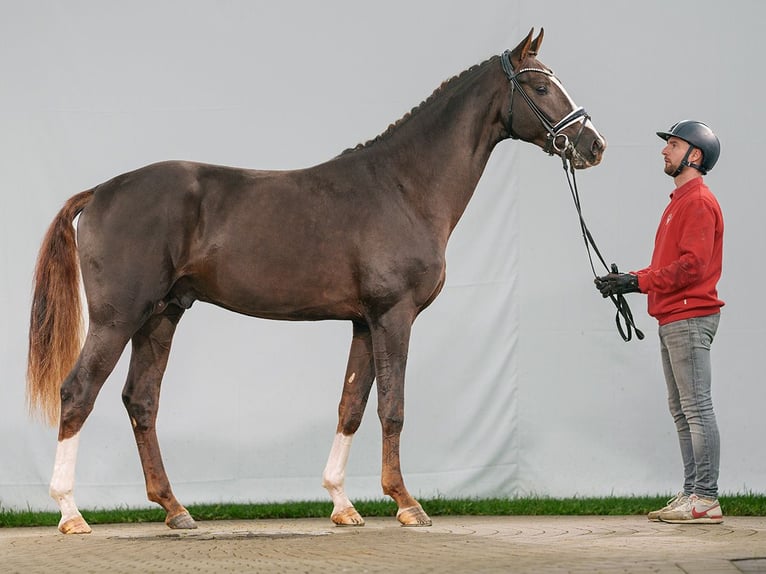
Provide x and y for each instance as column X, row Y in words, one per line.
column 361, row 238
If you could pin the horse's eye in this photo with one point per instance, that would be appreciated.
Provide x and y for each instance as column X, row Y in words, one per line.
column 542, row 90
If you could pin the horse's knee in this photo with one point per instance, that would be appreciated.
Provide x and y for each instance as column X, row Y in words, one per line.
column 349, row 427
column 350, row 422
column 390, row 410
column 392, row 423
column 142, row 415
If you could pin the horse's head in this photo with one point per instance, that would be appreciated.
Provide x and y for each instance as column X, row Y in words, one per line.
column 541, row 111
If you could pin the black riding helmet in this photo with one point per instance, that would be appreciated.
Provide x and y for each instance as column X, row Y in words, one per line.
column 700, row 136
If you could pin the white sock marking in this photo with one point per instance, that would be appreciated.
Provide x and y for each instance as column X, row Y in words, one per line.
column 334, row 475
column 62, row 481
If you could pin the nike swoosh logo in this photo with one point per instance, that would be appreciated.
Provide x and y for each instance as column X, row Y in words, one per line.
column 702, row 514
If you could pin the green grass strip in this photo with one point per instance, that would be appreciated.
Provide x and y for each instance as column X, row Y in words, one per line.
column 734, row 505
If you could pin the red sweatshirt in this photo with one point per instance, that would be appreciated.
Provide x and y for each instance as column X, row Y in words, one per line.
column 688, row 253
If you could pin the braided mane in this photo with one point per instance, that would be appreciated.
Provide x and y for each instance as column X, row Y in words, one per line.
column 455, row 80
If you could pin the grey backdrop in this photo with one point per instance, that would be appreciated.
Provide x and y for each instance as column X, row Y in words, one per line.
column 518, row 383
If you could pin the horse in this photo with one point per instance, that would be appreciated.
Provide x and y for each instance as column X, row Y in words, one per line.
column 359, row 238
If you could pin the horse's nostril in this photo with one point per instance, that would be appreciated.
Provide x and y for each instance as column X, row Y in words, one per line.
column 599, row 145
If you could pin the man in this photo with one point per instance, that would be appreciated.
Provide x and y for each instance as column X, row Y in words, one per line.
column 681, row 284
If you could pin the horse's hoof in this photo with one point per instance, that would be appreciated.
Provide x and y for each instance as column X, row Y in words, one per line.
column 413, row 516
column 347, row 517
column 76, row 525
column 182, row 521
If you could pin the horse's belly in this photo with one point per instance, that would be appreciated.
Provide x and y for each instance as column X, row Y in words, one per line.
column 297, row 292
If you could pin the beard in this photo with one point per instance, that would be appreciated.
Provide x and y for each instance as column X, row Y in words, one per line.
column 670, row 169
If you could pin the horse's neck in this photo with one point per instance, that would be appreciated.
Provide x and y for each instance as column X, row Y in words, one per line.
column 441, row 152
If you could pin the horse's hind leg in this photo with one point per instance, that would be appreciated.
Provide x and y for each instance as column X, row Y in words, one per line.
column 141, row 395
column 98, row 357
column 360, row 374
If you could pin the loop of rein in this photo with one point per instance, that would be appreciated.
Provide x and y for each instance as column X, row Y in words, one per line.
column 623, row 309
column 555, row 133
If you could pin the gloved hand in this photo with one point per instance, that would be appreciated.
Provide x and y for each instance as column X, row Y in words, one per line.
column 617, row 284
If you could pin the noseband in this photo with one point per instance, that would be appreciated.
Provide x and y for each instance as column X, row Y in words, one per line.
column 554, row 130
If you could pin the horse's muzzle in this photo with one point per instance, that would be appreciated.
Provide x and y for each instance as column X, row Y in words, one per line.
column 589, row 150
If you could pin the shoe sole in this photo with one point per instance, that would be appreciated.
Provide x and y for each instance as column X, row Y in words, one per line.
column 704, row 520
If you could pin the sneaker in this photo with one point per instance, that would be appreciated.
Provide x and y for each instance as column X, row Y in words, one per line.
column 672, row 504
column 695, row 510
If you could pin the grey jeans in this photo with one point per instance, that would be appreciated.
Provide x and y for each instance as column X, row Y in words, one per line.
column 685, row 350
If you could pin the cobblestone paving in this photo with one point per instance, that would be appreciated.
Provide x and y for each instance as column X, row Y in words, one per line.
column 543, row 544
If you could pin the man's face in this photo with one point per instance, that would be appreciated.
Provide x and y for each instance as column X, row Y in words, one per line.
column 674, row 153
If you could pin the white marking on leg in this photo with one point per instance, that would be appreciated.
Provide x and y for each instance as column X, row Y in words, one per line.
column 334, row 475
column 62, row 481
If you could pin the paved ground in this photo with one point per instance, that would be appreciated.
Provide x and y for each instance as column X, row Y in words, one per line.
column 543, row 544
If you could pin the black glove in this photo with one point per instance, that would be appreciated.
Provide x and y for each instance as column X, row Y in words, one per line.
column 617, row 284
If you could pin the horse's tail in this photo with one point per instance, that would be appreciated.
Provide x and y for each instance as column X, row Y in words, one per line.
column 55, row 324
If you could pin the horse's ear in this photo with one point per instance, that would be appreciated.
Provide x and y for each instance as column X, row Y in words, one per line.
column 520, row 52
column 534, row 49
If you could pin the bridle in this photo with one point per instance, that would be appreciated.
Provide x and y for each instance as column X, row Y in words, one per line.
column 555, row 132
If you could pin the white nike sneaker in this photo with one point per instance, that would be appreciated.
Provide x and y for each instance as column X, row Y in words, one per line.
column 671, row 504
column 695, row 510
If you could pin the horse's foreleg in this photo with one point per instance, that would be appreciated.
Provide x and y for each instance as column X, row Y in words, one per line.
column 360, row 374
column 391, row 343
column 410, row 512
column 333, row 479
column 78, row 394
column 141, row 396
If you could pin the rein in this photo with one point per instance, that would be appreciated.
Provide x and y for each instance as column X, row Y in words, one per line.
column 623, row 309
column 555, row 133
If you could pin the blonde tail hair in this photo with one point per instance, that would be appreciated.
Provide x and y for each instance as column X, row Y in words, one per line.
column 55, row 324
